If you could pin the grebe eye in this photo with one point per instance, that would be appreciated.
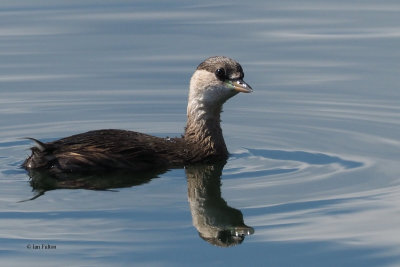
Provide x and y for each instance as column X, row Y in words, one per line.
column 220, row 73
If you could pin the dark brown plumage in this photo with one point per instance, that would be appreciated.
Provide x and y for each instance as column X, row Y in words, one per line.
column 215, row 80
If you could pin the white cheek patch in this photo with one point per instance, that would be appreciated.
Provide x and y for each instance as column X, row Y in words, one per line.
column 212, row 94
column 207, row 95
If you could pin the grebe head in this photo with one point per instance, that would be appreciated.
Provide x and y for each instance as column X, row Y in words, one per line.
column 215, row 80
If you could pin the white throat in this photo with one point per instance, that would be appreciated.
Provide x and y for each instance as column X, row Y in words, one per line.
column 206, row 96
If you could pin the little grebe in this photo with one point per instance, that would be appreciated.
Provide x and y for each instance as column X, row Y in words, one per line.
column 215, row 80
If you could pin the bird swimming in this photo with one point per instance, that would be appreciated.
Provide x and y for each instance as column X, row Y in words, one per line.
column 215, row 81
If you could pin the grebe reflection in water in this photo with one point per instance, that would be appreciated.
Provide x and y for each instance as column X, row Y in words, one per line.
column 216, row 222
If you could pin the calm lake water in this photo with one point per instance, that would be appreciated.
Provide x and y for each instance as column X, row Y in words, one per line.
column 315, row 149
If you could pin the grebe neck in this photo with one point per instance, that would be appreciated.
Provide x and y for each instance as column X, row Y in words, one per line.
column 203, row 129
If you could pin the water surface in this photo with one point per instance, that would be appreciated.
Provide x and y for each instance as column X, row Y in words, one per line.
column 315, row 149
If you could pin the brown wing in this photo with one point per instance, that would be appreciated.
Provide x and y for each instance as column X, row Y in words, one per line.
column 106, row 149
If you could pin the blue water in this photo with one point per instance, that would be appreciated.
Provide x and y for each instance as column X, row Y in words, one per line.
column 315, row 149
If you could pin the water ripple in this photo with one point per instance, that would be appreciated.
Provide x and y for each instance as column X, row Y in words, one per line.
column 306, row 157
